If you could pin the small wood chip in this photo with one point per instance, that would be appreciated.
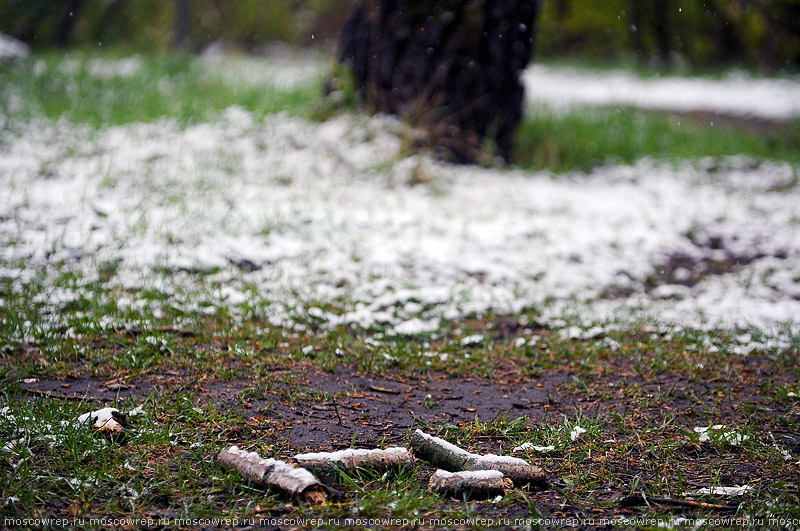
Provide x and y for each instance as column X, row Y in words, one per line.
column 385, row 390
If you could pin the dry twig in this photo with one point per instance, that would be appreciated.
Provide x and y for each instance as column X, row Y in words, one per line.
column 638, row 500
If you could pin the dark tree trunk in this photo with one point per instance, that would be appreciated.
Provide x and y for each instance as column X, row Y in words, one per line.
column 636, row 18
column 65, row 24
column 663, row 30
column 451, row 65
column 728, row 38
column 563, row 9
column 183, row 24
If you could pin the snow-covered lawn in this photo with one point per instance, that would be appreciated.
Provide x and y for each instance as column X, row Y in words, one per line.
column 737, row 94
column 326, row 221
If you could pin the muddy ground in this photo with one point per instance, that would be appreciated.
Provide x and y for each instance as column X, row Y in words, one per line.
column 316, row 410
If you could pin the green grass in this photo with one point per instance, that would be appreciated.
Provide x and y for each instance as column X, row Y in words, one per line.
column 582, row 139
column 169, row 86
column 179, row 87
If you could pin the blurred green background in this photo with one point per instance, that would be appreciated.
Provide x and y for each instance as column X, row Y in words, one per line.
column 690, row 34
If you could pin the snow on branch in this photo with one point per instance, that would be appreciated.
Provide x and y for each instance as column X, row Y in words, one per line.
column 330, row 463
column 275, row 475
column 449, row 457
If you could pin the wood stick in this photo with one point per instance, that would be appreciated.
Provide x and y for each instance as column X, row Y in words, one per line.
column 331, row 463
column 58, row 396
column 276, row 475
column 638, row 500
column 450, row 457
column 473, row 484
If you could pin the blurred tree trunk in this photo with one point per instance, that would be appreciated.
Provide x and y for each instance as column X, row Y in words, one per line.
column 635, row 28
column 562, row 9
column 728, row 37
column 663, row 30
column 452, row 66
column 183, row 24
column 65, row 24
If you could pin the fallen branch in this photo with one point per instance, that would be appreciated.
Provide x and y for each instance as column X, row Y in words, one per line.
column 275, row 475
column 639, row 500
column 58, row 396
column 450, row 457
column 385, row 390
column 330, row 463
column 473, row 484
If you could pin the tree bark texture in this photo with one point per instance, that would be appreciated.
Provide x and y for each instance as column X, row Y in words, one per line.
column 481, row 484
column 65, row 25
column 296, row 483
column 183, row 24
column 447, row 456
column 452, row 66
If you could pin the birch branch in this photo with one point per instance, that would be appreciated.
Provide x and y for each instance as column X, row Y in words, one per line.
column 275, row 475
column 638, row 500
column 330, row 463
column 475, row 484
column 450, row 457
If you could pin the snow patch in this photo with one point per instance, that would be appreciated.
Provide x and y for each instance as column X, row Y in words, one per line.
column 715, row 432
column 576, row 432
column 563, row 88
column 531, row 446
column 294, row 213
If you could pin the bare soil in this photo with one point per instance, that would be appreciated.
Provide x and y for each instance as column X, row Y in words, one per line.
column 314, row 410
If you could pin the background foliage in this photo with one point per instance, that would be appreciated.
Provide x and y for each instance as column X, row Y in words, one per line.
column 763, row 34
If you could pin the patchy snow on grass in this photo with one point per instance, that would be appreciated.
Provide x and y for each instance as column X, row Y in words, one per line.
column 716, row 433
column 289, row 215
column 576, row 432
column 562, row 88
column 97, row 67
column 530, row 446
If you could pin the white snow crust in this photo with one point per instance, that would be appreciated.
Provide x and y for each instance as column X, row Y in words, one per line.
column 349, row 453
column 535, row 448
column 495, row 460
column 450, row 447
column 480, row 475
